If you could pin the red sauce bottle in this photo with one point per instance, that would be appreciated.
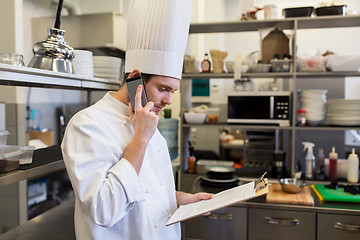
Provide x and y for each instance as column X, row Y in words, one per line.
column 206, row 64
column 333, row 157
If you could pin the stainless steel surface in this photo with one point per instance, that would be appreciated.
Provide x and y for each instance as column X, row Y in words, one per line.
column 282, row 221
column 338, row 226
column 226, row 223
column 53, row 54
column 291, row 185
column 281, row 225
column 348, row 227
column 302, row 23
column 24, row 76
column 55, row 224
column 19, row 175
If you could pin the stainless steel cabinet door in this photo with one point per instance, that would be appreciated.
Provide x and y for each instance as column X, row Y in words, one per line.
column 336, row 226
column 274, row 224
column 227, row 223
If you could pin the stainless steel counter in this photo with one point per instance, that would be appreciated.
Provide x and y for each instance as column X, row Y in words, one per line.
column 196, row 185
column 55, row 224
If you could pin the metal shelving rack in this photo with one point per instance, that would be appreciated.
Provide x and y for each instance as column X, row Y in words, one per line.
column 285, row 24
column 30, row 77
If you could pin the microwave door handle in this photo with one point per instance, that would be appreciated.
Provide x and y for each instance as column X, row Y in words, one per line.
column 272, row 103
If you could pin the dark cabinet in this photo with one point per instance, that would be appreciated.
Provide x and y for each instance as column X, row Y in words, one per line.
column 227, row 223
column 336, row 226
column 278, row 224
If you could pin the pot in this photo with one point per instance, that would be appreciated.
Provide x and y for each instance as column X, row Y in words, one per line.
column 220, row 172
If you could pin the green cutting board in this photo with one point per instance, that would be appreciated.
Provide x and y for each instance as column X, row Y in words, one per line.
column 327, row 194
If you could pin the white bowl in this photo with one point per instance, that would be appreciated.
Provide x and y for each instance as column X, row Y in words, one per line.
column 196, row 118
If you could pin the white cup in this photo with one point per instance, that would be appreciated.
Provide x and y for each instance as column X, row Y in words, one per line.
column 270, row 11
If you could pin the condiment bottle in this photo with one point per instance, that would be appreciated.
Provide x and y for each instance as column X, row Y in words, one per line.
column 333, row 157
column 191, row 159
column 301, row 120
column 353, row 167
column 319, row 164
column 206, row 64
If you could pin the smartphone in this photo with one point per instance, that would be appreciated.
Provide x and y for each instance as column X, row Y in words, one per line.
column 132, row 85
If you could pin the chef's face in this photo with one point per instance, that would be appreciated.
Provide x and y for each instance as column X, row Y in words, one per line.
column 159, row 90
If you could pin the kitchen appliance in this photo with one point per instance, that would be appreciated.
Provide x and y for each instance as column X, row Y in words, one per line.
column 53, row 53
column 260, row 107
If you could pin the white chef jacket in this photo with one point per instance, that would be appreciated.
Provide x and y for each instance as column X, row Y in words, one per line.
column 111, row 200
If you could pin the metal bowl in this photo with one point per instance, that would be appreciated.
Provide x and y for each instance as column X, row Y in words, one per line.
column 292, row 185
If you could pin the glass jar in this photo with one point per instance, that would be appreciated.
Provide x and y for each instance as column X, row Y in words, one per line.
column 301, row 119
column 12, row 59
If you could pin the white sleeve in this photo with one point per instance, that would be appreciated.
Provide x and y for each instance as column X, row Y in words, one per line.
column 106, row 186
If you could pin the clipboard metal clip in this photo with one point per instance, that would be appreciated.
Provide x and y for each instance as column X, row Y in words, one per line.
column 261, row 183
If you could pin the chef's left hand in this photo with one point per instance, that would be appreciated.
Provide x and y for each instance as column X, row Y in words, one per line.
column 183, row 198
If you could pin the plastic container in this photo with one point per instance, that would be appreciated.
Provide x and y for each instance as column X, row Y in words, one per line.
column 281, row 65
column 213, row 115
column 3, row 137
column 9, row 159
column 331, row 10
column 353, row 167
column 309, row 160
column 298, row 12
column 26, row 152
column 270, row 11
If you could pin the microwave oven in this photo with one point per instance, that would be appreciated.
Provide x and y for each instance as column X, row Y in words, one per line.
column 263, row 107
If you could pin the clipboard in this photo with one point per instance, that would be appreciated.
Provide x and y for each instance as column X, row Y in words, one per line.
column 220, row 200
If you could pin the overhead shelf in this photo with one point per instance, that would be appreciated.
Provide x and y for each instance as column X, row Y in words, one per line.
column 287, row 23
column 272, row 75
column 31, row 77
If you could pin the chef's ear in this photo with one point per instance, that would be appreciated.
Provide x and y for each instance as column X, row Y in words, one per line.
column 135, row 72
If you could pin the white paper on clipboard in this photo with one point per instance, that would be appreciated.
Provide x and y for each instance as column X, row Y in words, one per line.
column 219, row 200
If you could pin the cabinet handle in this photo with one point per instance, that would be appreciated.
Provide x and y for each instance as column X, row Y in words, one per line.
column 282, row 221
column 349, row 227
column 216, row 216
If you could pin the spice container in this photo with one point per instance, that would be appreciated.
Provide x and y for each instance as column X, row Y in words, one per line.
column 301, row 120
column 191, row 159
column 213, row 115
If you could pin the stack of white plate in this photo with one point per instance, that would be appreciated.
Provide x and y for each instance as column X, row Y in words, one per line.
column 83, row 63
column 344, row 112
column 107, row 67
column 313, row 101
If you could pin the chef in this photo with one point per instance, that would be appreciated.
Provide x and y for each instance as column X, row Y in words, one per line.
column 117, row 160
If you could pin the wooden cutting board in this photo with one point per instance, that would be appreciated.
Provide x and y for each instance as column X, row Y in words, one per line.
column 277, row 195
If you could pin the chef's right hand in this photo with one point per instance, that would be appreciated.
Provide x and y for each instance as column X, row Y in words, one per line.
column 143, row 119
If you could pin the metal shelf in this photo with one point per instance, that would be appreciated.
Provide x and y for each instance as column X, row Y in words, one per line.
column 272, row 75
column 327, row 128
column 244, row 75
column 287, row 23
column 31, row 77
column 19, row 175
column 223, row 125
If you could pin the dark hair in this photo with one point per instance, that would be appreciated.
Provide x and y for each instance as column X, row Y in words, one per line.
column 146, row 77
